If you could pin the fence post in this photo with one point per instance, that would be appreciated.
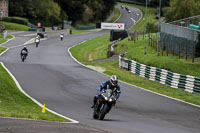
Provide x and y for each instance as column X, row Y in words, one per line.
column 173, row 48
column 149, row 36
column 179, row 52
column 156, row 37
column 167, row 49
column 193, row 54
column 162, row 47
column 186, row 52
column 158, row 49
column 143, row 35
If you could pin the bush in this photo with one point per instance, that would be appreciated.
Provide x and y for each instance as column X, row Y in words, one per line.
column 151, row 28
column 17, row 20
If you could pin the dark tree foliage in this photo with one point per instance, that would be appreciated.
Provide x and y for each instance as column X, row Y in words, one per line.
column 73, row 8
column 55, row 11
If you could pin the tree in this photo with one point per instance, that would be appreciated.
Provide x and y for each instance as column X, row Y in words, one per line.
column 180, row 9
column 46, row 10
column 73, row 8
column 22, row 8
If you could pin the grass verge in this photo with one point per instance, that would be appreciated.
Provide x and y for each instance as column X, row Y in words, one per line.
column 115, row 16
column 14, row 26
column 2, row 40
column 15, row 104
column 171, row 63
column 111, row 67
column 2, row 49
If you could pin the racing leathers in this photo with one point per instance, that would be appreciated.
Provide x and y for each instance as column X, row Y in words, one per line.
column 104, row 86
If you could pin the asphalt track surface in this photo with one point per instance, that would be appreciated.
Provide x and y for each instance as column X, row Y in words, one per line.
column 53, row 78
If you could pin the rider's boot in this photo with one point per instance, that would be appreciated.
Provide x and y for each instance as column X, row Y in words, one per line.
column 95, row 101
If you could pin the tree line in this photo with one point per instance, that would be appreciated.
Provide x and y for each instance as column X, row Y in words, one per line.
column 53, row 12
column 175, row 9
column 180, row 9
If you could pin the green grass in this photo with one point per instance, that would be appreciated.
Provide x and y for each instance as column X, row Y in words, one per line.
column 82, row 52
column 75, row 31
column 115, row 16
column 92, row 50
column 14, row 26
column 2, row 49
column 171, row 63
column 150, row 16
column 2, row 40
column 15, row 104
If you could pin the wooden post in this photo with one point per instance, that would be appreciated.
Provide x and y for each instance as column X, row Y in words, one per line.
column 156, row 37
column 162, row 47
column 167, row 49
column 143, row 35
column 186, row 52
column 173, row 47
column 179, row 50
column 193, row 54
column 149, row 36
column 158, row 49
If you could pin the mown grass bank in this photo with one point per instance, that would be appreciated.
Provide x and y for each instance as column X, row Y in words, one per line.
column 2, row 49
column 14, row 26
column 171, row 63
column 134, row 49
column 3, row 40
column 13, row 103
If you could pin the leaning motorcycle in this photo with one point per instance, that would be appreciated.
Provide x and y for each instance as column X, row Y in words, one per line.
column 104, row 104
column 23, row 55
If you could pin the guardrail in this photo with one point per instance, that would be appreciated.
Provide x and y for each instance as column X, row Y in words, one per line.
column 185, row 82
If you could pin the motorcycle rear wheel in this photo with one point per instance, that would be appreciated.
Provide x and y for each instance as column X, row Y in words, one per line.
column 95, row 116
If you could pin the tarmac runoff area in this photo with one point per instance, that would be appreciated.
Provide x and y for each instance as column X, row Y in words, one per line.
column 14, row 125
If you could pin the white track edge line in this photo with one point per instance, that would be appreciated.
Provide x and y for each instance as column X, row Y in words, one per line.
column 13, row 37
column 132, row 84
column 38, row 103
column 4, row 51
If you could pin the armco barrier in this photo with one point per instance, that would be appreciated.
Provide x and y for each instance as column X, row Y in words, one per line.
column 185, row 82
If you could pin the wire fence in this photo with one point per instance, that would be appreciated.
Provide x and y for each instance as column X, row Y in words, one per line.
column 187, row 21
column 188, row 49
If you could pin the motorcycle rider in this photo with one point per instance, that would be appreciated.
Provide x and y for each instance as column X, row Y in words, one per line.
column 61, row 36
column 110, row 84
column 37, row 40
column 24, row 49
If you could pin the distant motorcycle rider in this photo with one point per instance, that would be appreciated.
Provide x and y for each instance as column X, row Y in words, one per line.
column 61, row 36
column 110, row 84
column 37, row 40
column 26, row 51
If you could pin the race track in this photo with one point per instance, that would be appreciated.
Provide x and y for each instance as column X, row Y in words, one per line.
column 53, row 78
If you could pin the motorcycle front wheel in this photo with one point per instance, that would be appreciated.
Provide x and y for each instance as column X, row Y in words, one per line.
column 103, row 112
column 23, row 58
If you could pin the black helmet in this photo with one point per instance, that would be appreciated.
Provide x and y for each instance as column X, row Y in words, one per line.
column 113, row 80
